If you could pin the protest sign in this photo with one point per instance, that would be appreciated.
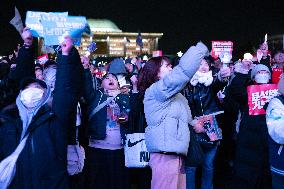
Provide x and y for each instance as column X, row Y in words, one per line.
column 221, row 46
column 42, row 59
column 34, row 20
column 276, row 74
column 157, row 53
column 73, row 26
column 259, row 95
column 17, row 21
column 52, row 25
column 209, row 123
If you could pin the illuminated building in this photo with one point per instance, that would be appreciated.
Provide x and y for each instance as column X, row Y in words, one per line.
column 113, row 42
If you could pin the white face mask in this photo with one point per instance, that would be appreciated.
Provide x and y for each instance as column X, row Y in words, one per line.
column 262, row 78
column 30, row 97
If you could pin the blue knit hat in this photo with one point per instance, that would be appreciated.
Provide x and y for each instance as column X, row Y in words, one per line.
column 257, row 68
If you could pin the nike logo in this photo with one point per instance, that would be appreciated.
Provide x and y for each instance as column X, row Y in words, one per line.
column 131, row 144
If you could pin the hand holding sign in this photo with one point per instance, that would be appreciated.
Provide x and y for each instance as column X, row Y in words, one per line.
column 198, row 126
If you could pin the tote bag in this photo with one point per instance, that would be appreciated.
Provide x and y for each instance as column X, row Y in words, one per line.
column 135, row 151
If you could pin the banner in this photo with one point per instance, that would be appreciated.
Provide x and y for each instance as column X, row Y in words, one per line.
column 276, row 74
column 221, row 46
column 259, row 95
column 52, row 25
column 73, row 25
column 34, row 20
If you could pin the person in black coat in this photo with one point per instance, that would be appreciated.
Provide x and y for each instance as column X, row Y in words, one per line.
column 251, row 166
column 43, row 160
column 201, row 94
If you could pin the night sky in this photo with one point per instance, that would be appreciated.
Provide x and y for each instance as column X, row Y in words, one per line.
column 182, row 22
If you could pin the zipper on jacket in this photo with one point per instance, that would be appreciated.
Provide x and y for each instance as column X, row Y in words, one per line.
column 280, row 149
column 32, row 144
column 201, row 104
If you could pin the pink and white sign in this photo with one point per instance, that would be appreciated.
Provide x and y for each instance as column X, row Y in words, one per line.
column 221, row 46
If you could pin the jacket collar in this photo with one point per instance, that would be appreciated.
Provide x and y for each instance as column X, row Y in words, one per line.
column 42, row 115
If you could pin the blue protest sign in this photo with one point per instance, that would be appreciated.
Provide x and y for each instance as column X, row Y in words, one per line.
column 34, row 20
column 73, row 26
column 53, row 25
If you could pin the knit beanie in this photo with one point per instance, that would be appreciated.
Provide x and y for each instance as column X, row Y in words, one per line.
column 257, row 68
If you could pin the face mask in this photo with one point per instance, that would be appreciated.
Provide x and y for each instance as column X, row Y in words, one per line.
column 262, row 78
column 30, row 97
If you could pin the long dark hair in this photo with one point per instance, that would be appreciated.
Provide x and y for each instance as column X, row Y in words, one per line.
column 149, row 73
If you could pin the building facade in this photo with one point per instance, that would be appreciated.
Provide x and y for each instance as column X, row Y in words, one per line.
column 113, row 42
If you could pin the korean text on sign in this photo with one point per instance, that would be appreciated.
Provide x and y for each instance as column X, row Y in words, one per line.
column 221, row 46
column 258, row 96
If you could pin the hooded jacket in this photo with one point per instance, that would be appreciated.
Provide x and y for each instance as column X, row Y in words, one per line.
column 43, row 161
column 166, row 109
column 97, row 123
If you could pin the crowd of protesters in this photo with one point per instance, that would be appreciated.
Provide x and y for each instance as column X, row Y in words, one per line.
column 63, row 124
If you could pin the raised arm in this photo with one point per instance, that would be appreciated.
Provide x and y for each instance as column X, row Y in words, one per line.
column 9, row 86
column 69, row 79
column 175, row 81
column 25, row 59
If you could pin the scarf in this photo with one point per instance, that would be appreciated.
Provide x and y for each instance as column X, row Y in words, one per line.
column 202, row 78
